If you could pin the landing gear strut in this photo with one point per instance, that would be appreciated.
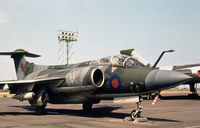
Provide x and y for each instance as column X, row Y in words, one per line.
column 41, row 103
column 87, row 107
column 193, row 89
column 136, row 114
column 40, row 110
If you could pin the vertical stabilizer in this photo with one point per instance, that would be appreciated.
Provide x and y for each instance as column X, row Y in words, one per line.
column 22, row 67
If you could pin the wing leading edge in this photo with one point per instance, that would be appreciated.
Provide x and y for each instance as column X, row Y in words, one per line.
column 27, row 85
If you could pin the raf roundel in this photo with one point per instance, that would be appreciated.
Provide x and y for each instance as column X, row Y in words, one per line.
column 115, row 83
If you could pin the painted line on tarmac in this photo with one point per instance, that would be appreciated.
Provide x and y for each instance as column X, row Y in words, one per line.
column 196, row 126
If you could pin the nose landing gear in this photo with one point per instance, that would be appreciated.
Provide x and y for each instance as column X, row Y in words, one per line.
column 136, row 114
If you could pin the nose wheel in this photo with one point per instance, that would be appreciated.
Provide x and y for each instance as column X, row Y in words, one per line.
column 136, row 114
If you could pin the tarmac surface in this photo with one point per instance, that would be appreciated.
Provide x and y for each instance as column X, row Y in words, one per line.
column 170, row 112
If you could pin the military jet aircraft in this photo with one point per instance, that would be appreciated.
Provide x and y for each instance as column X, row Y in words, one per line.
column 192, row 70
column 86, row 83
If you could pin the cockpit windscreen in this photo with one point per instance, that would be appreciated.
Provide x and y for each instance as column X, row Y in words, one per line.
column 121, row 61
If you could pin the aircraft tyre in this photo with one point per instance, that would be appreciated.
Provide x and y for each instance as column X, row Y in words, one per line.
column 41, row 103
column 40, row 110
column 31, row 102
column 135, row 114
column 87, row 107
column 193, row 88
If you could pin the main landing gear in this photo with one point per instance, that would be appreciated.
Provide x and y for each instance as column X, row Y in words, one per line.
column 42, row 100
column 87, row 107
column 39, row 102
column 193, row 89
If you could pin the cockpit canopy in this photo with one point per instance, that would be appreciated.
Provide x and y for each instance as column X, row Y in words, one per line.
column 121, row 61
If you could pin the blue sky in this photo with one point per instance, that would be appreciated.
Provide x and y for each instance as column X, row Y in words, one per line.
column 104, row 26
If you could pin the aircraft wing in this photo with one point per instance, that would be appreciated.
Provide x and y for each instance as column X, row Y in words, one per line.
column 189, row 66
column 28, row 85
column 22, row 82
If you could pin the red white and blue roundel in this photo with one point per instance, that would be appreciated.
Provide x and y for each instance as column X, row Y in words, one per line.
column 115, row 83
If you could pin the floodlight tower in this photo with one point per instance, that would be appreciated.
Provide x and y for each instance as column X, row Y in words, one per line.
column 65, row 38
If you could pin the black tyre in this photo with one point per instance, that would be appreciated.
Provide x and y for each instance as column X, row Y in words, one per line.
column 87, row 107
column 135, row 115
column 40, row 110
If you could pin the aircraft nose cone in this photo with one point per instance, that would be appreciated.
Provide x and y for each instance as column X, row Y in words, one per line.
column 161, row 79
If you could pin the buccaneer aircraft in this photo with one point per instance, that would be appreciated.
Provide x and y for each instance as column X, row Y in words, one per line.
column 86, row 83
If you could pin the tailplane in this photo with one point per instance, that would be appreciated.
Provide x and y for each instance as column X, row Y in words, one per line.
column 22, row 67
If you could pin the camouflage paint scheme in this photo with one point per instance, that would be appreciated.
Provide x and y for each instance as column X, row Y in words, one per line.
column 87, row 82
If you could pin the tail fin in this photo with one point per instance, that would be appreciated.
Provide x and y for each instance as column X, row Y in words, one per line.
column 22, row 67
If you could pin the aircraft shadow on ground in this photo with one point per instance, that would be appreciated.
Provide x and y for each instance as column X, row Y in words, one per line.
column 162, row 120
column 97, row 112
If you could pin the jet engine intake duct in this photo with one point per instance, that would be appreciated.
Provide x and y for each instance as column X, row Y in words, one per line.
column 84, row 76
column 97, row 77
